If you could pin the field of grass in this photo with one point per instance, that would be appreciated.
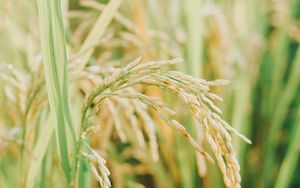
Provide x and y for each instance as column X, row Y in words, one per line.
column 149, row 93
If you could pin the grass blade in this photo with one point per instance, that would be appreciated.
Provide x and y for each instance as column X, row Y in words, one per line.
column 38, row 154
column 98, row 30
column 290, row 161
column 55, row 64
column 280, row 113
column 194, row 49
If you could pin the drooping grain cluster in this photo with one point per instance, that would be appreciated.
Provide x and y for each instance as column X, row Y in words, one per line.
column 194, row 92
column 98, row 168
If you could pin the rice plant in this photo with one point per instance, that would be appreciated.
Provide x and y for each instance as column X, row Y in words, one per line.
column 120, row 93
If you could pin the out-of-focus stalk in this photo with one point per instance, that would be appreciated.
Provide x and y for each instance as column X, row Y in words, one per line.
column 193, row 67
column 280, row 113
column 280, row 63
column 194, row 43
column 88, row 46
column 290, row 161
column 240, row 116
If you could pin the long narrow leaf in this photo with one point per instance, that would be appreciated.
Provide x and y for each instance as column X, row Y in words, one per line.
column 280, row 113
column 290, row 161
column 98, row 30
column 55, row 64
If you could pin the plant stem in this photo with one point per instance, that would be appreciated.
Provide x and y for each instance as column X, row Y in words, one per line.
column 290, row 161
column 55, row 65
column 280, row 114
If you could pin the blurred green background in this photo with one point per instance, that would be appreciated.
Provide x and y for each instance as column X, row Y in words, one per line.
column 253, row 43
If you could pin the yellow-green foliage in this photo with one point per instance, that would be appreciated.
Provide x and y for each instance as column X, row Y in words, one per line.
column 114, row 93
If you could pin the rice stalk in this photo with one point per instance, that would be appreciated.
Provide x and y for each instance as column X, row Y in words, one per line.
column 38, row 154
column 94, row 36
column 55, row 66
column 289, row 163
column 194, row 50
column 281, row 111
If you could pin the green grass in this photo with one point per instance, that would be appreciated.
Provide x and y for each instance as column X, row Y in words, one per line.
column 289, row 164
column 56, row 76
